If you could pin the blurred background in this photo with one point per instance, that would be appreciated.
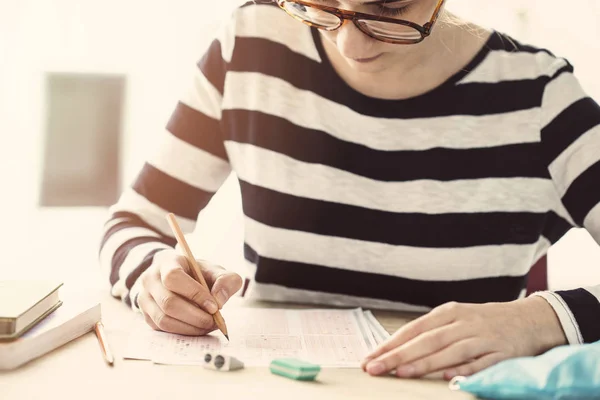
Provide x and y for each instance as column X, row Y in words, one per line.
column 87, row 86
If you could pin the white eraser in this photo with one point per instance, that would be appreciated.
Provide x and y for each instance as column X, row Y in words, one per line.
column 221, row 362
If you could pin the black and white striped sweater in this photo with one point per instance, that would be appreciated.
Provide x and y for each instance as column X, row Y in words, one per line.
column 349, row 200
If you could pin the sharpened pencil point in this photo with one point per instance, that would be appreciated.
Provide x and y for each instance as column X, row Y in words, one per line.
column 227, row 336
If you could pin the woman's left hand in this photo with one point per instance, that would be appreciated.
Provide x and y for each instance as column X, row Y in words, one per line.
column 462, row 339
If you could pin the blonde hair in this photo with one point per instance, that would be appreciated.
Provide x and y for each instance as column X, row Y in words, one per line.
column 448, row 19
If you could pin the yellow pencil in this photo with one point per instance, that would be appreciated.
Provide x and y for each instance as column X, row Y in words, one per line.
column 108, row 357
column 196, row 272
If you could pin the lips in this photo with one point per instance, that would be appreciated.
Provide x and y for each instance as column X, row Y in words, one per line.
column 366, row 60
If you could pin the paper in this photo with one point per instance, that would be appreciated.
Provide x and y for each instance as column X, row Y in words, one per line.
column 379, row 332
column 330, row 338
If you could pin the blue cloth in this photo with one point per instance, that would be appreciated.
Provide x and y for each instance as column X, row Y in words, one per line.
column 566, row 372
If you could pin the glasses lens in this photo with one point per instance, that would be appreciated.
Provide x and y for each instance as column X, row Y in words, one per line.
column 316, row 17
column 389, row 31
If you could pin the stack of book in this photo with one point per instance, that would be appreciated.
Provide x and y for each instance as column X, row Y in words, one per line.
column 34, row 320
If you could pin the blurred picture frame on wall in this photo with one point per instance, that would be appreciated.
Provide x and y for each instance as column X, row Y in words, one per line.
column 83, row 130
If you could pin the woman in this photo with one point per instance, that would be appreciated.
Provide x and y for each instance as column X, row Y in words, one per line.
column 389, row 155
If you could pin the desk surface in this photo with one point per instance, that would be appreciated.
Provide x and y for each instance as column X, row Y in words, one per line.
column 77, row 370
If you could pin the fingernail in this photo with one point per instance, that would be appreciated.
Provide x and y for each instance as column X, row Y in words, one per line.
column 376, row 368
column 405, row 371
column 211, row 306
column 222, row 297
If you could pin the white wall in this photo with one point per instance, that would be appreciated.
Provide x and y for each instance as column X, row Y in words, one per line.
column 568, row 29
column 156, row 42
column 152, row 42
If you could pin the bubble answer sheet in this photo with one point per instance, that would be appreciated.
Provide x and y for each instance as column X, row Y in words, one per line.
column 330, row 338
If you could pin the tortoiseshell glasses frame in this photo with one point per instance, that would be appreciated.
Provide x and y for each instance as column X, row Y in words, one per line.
column 341, row 15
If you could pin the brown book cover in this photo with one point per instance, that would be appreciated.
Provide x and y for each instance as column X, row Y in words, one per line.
column 24, row 303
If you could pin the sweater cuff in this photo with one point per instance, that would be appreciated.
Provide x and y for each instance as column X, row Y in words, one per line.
column 565, row 316
column 584, row 304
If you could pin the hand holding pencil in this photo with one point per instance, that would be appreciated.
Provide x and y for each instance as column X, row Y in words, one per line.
column 179, row 296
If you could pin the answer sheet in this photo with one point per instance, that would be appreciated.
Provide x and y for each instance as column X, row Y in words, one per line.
column 379, row 332
column 330, row 338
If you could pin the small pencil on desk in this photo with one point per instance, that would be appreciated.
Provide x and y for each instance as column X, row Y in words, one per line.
column 196, row 271
column 108, row 357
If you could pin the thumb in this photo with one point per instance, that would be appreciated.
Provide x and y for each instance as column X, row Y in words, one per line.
column 223, row 283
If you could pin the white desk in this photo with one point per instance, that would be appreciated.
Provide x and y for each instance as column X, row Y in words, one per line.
column 77, row 370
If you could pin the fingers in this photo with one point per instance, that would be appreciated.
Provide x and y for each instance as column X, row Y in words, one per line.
column 158, row 320
column 457, row 354
column 422, row 346
column 173, row 301
column 438, row 317
column 174, row 277
column 144, row 302
column 475, row 366
column 223, row 283
column 173, row 305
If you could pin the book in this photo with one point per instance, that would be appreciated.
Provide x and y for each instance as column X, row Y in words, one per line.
column 24, row 303
column 77, row 316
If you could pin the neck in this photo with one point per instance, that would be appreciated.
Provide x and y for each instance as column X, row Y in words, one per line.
column 420, row 68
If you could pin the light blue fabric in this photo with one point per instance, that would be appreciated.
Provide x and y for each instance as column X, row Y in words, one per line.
column 566, row 372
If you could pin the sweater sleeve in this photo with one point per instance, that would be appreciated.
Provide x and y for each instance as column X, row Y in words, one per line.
column 570, row 139
column 181, row 176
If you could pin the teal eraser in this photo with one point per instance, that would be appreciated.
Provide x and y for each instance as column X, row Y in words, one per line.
column 294, row 369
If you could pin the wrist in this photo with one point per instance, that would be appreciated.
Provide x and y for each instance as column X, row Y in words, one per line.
column 546, row 327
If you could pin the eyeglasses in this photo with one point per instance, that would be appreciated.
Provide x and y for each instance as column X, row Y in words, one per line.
column 385, row 29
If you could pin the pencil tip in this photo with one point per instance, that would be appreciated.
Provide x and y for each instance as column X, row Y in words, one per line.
column 227, row 336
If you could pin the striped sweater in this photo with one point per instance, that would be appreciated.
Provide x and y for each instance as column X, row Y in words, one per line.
column 350, row 200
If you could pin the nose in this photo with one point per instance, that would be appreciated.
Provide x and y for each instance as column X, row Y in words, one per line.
column 352, row 43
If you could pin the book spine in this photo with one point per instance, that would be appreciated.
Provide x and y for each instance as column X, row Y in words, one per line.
column 7, row 327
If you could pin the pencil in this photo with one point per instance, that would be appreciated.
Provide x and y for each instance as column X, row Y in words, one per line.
column 108, row 357
column 196, row 272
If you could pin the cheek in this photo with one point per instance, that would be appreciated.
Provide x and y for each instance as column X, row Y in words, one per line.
column 358, row 40
column 330, row 36
column 399, row 50
column 381, row 47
